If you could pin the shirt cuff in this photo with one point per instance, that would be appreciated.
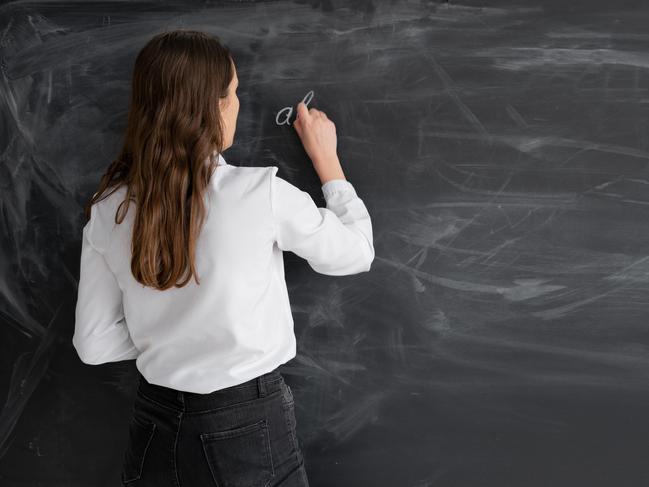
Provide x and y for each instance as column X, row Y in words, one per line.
column 337, row 185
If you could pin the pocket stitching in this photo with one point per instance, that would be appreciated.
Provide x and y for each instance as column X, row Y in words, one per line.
column 261, row 425
column 151, row 426
column 234, row 432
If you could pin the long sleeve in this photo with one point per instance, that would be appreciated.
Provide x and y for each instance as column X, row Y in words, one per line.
column 100, row 334
column 336, row 240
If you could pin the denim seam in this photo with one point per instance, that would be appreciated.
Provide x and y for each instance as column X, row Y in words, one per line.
column 158, row 403
column 287, row 412
column 269, row 454
column 235, row 405
column 267, row 382
column 202, row 411
column 176, row 479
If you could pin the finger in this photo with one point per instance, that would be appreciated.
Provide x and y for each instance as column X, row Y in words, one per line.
column 302, row 111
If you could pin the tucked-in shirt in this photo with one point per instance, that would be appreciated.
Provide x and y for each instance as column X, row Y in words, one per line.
column 237, row 323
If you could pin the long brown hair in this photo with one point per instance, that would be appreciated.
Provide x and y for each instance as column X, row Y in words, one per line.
column 174, row 125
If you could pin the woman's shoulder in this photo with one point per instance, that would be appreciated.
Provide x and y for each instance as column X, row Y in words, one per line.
column 249, row 171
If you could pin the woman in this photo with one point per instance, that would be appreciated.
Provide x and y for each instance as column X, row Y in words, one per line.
column 182, row 270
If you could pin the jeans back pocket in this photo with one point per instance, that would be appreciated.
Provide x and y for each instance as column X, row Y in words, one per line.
column 240, row 456
column 140, row 435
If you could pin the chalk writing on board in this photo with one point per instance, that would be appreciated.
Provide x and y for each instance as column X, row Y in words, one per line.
column 284, row 115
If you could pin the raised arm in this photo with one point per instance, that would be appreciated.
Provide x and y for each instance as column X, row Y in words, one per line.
column 336, row 240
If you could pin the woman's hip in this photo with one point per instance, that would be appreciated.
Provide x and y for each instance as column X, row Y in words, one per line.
column 243, row 435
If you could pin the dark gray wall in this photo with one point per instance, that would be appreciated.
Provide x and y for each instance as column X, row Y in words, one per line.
column 501, row 336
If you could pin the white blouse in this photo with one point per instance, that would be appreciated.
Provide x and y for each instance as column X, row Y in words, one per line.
column 237, row 324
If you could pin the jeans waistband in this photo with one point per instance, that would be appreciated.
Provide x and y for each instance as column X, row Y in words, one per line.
column 185, row 401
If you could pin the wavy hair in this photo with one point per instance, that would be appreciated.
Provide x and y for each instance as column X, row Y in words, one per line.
column 174, row 126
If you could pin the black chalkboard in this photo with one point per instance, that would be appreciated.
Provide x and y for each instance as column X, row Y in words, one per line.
column 501, row 337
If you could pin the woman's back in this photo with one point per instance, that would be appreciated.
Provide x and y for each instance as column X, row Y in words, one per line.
column 237, row 323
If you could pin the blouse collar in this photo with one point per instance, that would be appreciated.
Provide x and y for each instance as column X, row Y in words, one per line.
column 221, row 160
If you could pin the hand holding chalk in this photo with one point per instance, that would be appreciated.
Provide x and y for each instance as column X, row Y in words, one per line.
column 318, row 136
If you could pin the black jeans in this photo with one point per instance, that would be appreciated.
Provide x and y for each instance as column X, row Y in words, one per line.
column 241, row 436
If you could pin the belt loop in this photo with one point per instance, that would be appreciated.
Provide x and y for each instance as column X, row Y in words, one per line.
column 181, row 397
column 261, row 385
